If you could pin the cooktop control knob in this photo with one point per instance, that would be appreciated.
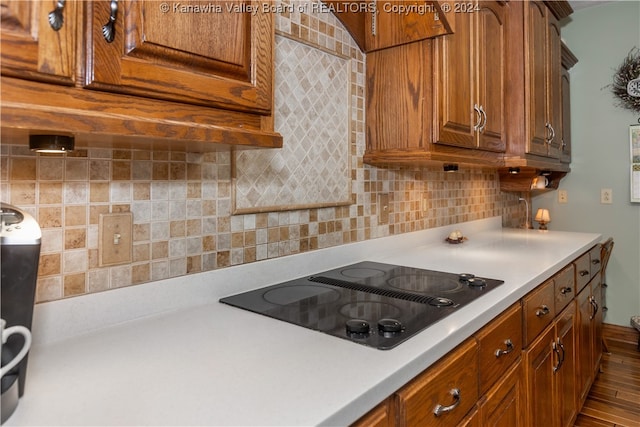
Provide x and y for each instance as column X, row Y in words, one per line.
column 357, row 327
column 390, row 326
column 464, row 277
column 477, row 282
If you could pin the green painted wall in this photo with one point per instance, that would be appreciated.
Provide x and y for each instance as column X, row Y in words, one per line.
column 601, row 37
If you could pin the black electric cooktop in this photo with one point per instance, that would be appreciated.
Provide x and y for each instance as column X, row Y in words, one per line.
column 370, row 303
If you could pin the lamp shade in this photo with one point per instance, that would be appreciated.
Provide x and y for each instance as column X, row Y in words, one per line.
column 543, row 216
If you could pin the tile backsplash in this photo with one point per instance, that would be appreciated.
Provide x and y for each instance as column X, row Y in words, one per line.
column 182, row 202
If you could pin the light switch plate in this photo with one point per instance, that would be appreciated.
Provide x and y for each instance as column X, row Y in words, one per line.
column 115, row 239
column 383, row 208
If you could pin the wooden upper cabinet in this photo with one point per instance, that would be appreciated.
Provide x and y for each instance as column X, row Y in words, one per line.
column 568, row 61
column 543, row 85
column 399, row 22
column 380, row 25
column 492, row 73
column 536, row 43
column 220, row 57
column 470, row 77
column 31, row 48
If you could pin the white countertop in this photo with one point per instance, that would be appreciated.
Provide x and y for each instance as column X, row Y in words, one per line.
column 167, row 353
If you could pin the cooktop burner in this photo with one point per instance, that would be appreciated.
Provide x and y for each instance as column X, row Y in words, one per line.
column 375, row 304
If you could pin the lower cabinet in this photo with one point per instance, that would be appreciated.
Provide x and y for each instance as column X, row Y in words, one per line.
column 504, row 404
column 444, row 393
column 566, row 391
column 531, row 366
column 589, row 301
column 377, row 417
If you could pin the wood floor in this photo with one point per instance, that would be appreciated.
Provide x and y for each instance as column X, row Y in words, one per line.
column 614, row 398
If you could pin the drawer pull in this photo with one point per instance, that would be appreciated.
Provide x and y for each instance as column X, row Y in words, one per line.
column 566, row 290
column 440, row 409
column 509, row 349
column 584, row 273
column 595, row 261
column 594, row 305
column 542, row 311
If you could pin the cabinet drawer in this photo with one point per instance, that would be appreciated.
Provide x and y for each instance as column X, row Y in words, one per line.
column 565, row 289
column 583, row 271
column 594, row 258
column 499, row 344
column 417, row 402
column 538, row 311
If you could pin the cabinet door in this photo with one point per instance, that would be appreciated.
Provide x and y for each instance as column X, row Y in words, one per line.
column 584, row 353
column 536, row 76
column 539, row 363
column 491, row 47
column 31, row 48
column 554, row 95
column 566, row 393
column 596, row 302
column 504, row 404
column 454, row 83
column 213, row 53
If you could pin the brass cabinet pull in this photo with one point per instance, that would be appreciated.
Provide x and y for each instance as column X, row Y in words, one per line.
column 595, row 261
column 109, row 29
column 56, row 17
column 440, row 409
column 542, row 311
column 584, row 273
column 566, row 290
column 509, row 349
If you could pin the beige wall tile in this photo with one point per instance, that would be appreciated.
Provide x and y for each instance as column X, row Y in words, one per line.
column 182, row 202
column 23, row 169
column 74, row 284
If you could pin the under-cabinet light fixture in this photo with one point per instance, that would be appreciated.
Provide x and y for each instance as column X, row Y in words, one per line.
column 51, row 143
column 514, row 171
column 450, row 167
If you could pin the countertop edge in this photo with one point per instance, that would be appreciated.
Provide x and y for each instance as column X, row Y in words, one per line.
column 416, row 354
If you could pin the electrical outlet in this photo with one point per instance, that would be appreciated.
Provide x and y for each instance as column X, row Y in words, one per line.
column 563, row 197
column 606, row 196
column 115, row 239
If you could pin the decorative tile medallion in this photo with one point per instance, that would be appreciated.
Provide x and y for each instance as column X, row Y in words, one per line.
column 312, row 113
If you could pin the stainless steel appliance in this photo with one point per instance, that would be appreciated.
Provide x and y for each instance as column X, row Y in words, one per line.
column 19, row 254
column 370, row 303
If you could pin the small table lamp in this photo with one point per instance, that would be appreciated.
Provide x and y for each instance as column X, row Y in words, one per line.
column 542, row 216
